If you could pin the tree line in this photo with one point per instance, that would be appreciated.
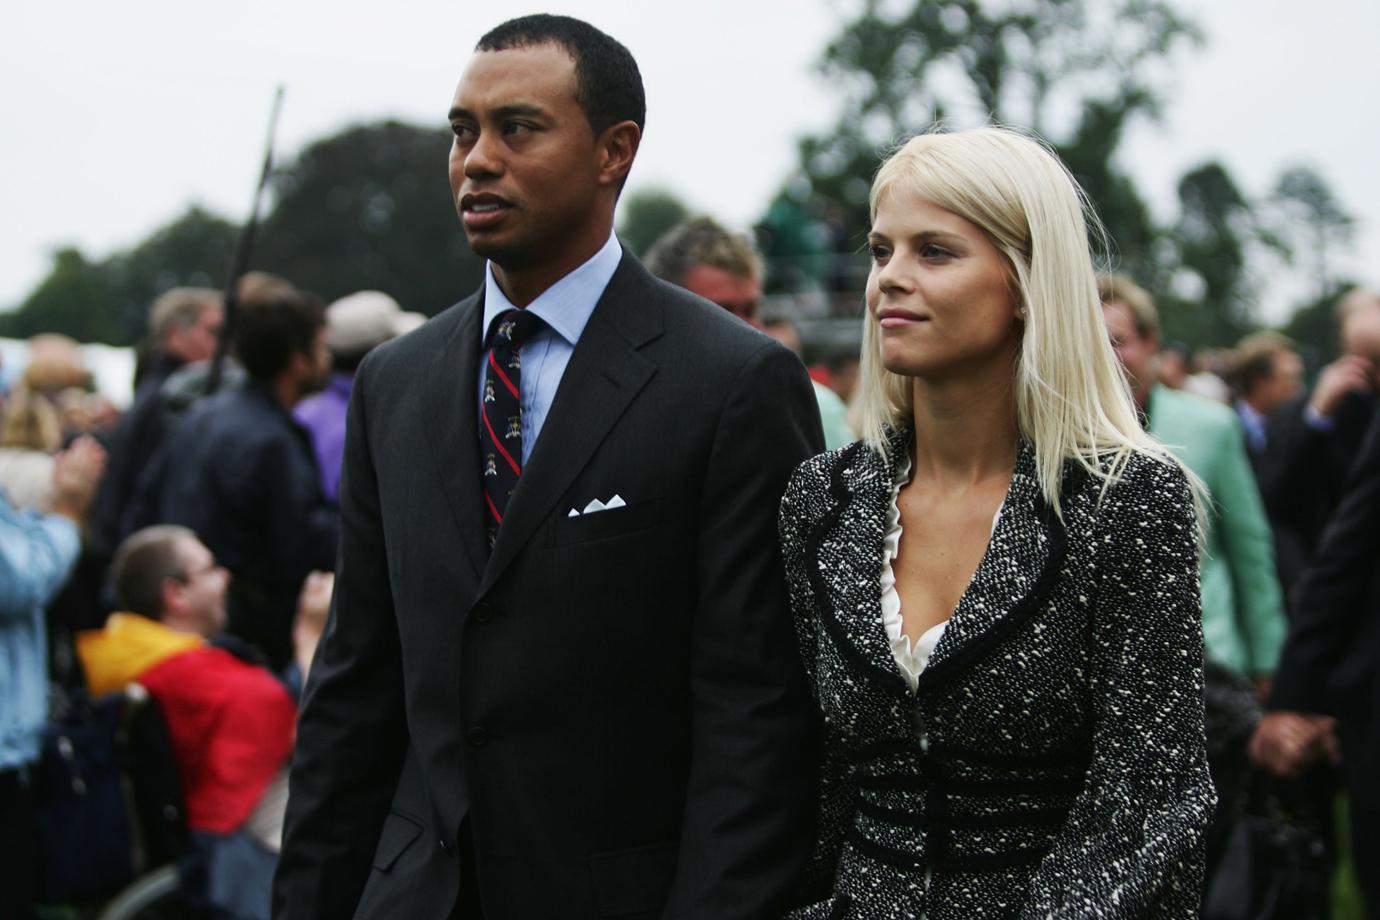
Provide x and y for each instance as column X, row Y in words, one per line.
column 369, row 206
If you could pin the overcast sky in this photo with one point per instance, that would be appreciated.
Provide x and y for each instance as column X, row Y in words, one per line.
column 120, row 114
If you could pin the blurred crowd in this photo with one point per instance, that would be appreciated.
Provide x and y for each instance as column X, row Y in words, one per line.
column 184, row 547
column 178, row 552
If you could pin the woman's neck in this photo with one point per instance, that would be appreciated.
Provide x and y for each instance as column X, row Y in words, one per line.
column 965, row 429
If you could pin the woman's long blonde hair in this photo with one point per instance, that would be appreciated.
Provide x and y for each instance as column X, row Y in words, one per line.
column 1072, row 400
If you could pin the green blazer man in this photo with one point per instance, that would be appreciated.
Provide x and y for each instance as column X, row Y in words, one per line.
column 1243, row 608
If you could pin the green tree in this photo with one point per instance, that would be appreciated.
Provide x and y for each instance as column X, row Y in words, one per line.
column 1309, row 224
column 645, row 215
column 195, row 249
column 108, row 300
column 72, row 300
column 1028, row 63
column 1214, row 229
column 370, row 208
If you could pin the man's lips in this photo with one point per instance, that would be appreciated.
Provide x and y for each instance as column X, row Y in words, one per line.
column 483, row 210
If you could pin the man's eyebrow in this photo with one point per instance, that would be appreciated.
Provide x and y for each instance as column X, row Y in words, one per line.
column 517, row 109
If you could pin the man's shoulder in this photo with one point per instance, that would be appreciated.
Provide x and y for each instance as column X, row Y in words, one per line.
column 409, row 352
column 1188, row 411
column 701, row 320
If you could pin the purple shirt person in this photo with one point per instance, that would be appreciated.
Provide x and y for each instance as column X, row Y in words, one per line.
column 354, row 325
column 323, row 415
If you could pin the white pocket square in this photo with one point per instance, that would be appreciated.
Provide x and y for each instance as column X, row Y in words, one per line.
column 596, row 506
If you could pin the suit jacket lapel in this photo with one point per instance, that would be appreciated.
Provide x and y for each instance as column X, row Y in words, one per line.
column 451, row 417
column 605, row 373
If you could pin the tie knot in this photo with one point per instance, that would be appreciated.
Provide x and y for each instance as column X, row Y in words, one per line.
column 513, row 327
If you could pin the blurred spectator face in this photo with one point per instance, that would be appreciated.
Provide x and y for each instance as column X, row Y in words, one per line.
column 1135, row 351
column 318, row 370
column 195, row 602
column 737, row 294
column 1172, row 368
column 197, row 342
column 784, row 331
column 1284, row 383
column 1360, row 333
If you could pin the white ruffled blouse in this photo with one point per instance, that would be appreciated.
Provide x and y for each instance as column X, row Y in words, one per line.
column 910, row 658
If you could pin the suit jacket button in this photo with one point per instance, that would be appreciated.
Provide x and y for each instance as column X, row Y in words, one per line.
column 477, row 737
column 483, row 613
column 446, row 846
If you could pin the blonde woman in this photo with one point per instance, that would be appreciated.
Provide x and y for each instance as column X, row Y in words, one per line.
column 996, row 590
column 30, row 435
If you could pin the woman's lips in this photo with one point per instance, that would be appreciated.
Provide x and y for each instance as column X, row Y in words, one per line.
column 898, row 320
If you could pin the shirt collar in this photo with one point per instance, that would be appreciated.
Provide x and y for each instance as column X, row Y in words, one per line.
column 565, row 306
column 1250, row 415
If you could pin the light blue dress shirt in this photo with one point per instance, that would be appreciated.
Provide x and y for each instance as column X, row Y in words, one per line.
column 565, row 307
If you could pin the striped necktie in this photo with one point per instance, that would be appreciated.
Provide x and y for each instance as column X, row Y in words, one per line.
column 500, row 433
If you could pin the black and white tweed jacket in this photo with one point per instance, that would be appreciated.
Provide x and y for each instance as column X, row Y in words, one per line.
column 1051, row 761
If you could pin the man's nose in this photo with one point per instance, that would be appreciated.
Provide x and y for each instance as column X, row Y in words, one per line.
column 483, row 157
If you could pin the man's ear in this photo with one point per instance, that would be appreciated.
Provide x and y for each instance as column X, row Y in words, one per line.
column 617, row 147
column 170, row 594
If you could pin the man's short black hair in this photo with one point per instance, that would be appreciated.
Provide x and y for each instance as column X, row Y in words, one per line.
column 608, row 84
column 271, row 328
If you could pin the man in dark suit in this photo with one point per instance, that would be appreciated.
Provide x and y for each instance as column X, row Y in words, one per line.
column 1331, row 663
column 559, row 679
column 1314, row 440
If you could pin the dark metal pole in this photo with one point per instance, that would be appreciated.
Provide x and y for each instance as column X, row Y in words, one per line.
column 243, row 248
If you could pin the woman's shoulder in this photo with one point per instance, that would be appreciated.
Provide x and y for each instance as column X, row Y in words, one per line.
column 819, row 471
column 1142, row 486
column 814, row 481
column 1152, row 474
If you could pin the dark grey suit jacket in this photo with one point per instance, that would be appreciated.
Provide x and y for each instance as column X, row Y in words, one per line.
column 614, row 701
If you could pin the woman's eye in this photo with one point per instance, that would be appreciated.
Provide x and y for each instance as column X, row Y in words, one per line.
column 878, row 253
column 931, row 251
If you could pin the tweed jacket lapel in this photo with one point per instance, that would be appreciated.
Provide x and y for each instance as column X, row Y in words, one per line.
column 1021, row 563
column 844, row 565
